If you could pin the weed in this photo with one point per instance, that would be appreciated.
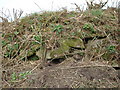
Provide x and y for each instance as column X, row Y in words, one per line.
column 111, row 49
column 23, row 75
column 9, row 50
column 110, row 53
column 113, row 17
column 10, row 39
column 81, row 53
column 89, row 27
column 7, row 54
column 58, row 29
column 97, row 12
column 14, row 77
column 19, row 76
column 73, row 33
column 118, row 30
column 38, row 38
column 4, row 43
column 3, row 35
column 16, row 32
column 16, row 46
column 108, row 27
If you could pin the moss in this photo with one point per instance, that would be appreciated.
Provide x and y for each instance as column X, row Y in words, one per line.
column 65, row 46
column 60, row 52
column 76, row 43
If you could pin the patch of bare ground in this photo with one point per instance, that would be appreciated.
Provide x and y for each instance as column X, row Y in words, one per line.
column 68, row 74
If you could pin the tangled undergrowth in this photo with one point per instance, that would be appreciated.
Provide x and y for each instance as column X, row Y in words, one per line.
column 45, row 30
column 92, row 35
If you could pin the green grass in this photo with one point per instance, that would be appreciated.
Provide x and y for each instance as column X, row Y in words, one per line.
column 89, row 27
column 97, row 12
column 111, row 49
column 58, row 29
column 19, row 76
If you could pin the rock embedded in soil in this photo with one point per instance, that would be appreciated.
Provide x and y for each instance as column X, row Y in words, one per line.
column 65, row 46
column 64, row 49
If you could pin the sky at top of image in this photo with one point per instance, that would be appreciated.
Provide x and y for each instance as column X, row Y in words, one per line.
column 31, row 6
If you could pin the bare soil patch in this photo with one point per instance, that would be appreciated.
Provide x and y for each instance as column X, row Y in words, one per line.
column 73, row 75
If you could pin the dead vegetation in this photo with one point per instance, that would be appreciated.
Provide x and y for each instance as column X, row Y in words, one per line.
column 38, row 42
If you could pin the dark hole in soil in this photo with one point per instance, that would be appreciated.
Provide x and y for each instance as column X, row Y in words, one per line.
column 116, row 68
column 32, row 57
column 75, row 48
column 57, row 61
column 91, row 38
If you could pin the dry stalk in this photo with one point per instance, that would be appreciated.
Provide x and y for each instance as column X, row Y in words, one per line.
column 83, row 66
column 17, row 15
column 77, row 7
column 92, row 5
column 4, row 19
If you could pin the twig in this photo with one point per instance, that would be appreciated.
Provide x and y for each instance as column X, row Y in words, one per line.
column 7, row 83
column 70, row 67
column 37, row 6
